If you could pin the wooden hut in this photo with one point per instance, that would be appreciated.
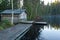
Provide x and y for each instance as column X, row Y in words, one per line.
column 19, row 14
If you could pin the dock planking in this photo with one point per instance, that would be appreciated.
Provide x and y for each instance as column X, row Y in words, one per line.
column 14, row 33
column 27, row 22
column 17, row 31
column 34, row 22
column 41, row 23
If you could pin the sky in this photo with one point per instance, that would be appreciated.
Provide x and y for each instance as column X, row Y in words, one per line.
column 46, row 1
column 21, row 3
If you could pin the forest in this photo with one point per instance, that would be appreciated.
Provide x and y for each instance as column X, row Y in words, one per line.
column 33, row 7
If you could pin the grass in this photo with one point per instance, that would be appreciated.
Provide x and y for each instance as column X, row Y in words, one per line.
column 5, row 24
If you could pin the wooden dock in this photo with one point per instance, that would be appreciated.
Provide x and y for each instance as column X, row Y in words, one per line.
column 27, row 22
column 32, row 22
column 41, row 23
column 15, row 33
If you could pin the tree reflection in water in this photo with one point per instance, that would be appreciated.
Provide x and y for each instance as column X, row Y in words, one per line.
column 33, row 33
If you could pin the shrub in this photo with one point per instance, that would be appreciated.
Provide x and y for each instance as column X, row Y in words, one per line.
column 5, row 24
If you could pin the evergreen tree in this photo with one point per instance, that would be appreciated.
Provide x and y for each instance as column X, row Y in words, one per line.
column 31, row 7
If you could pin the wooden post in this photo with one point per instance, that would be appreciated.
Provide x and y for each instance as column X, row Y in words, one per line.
column 12, row 12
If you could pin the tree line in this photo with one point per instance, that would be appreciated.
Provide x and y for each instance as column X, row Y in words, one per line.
column 7, row 4
column 37, row 8
column 33, row 8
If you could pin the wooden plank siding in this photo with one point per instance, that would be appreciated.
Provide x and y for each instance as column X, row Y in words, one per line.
column 15, row 32
column 9, row 17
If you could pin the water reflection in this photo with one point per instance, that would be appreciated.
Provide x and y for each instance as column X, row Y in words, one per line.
column 46, row 32
column 39, row 32
column 33, row 33
column 50, row 33
column 56, row 27
column 53, row 19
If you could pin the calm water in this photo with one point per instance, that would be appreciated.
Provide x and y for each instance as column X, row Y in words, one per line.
column 49, row 33
column 46, row 32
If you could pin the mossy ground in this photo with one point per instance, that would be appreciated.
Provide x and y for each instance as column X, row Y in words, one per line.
column 5, row 24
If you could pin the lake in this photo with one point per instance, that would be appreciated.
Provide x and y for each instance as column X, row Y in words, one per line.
column 49, row 33
column 45, row 32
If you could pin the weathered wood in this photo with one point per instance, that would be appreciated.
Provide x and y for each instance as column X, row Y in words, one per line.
column 41, row 23
column 34, row 22
column 27, row 22
column 14, row 32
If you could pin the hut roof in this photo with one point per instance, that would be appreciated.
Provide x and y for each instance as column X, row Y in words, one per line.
column 15, row 11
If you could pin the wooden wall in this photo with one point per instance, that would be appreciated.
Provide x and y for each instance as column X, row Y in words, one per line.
column 9, row 17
